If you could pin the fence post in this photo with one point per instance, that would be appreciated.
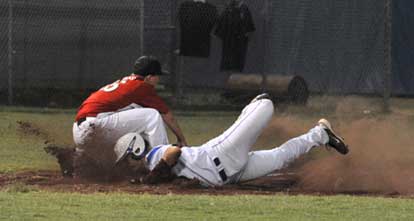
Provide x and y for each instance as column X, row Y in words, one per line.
column 387, row 55
column 179, row 63
column 266, row 20
column 174, row 67
column 10, row 53
column 142, row 26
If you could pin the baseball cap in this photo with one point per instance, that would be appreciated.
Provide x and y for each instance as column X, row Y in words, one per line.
column 148, row 65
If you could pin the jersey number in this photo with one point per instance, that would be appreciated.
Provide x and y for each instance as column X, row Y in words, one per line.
column 115, row 85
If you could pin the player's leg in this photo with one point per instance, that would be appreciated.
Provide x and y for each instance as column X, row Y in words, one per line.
column 146, row 121
column 234, row 144
column 93, row 156
column 263, row 162
column 96, row 137
column 86, row 137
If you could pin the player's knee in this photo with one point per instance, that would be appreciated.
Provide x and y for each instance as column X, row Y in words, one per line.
column 153, row 116
column 268, row 106
column 268, row 103
column 154, row 113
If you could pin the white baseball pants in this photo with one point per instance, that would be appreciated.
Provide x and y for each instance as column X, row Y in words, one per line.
column 99, row 135
column 261, row 163
column 234, row 145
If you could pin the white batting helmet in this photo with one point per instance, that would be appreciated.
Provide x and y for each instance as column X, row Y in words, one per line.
column 130, row 143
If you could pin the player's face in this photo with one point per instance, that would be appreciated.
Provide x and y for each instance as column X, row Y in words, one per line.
column 152, row 79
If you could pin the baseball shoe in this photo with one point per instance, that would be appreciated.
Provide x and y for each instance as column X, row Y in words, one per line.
column 335, row 141
column 260, row 96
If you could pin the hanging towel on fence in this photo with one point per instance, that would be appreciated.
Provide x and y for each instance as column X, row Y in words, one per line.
column 233, row 26
column 196, row 20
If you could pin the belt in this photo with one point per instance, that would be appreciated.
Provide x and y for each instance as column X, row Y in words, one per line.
column 222, row 173
column 81, row 120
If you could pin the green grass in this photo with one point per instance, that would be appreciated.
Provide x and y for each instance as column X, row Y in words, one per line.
column 38, row 205
column 24, row 151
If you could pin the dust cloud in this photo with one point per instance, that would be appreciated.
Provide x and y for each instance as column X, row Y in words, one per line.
column 381, row 157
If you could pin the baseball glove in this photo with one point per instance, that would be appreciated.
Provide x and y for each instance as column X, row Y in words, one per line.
column 160, row 174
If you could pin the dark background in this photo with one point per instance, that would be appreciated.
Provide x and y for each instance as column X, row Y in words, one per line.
column 336, row 46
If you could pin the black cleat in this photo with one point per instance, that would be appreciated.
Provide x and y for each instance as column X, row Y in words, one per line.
column 260, row 97
column 335, row 141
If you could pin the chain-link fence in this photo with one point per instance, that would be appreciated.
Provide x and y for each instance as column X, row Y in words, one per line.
column 336, row 47
column 67, row 45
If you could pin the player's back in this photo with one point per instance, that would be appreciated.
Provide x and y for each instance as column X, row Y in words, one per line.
column 112, row 97
column 193, row 163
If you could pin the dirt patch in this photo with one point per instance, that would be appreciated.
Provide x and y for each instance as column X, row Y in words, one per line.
column 125, row 180
column 30, row 129
column 54, row 181
column 286, row 183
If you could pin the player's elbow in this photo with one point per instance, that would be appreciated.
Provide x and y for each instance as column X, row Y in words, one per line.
column 169, row 116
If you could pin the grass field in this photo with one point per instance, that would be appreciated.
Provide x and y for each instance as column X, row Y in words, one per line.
column 34, row 205
column 23, row 151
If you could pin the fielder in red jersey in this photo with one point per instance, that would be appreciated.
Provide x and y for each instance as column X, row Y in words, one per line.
column 121, row 93
column 130, row 104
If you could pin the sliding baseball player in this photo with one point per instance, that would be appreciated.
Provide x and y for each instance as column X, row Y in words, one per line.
column 227, row 158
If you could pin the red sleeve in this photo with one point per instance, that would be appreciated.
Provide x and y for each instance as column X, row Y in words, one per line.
column 152, row 100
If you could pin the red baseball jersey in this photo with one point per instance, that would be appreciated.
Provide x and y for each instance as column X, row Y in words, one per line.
column 121, row 93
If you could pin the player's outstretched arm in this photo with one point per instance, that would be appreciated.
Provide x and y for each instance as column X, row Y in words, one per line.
column 169, row 119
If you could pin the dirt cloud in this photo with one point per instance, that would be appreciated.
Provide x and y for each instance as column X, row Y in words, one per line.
column 381, row 158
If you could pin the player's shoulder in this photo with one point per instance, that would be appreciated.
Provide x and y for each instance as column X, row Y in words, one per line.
column 136, row 82
column 156, row 150
column 155, row 155
column 133, row 77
